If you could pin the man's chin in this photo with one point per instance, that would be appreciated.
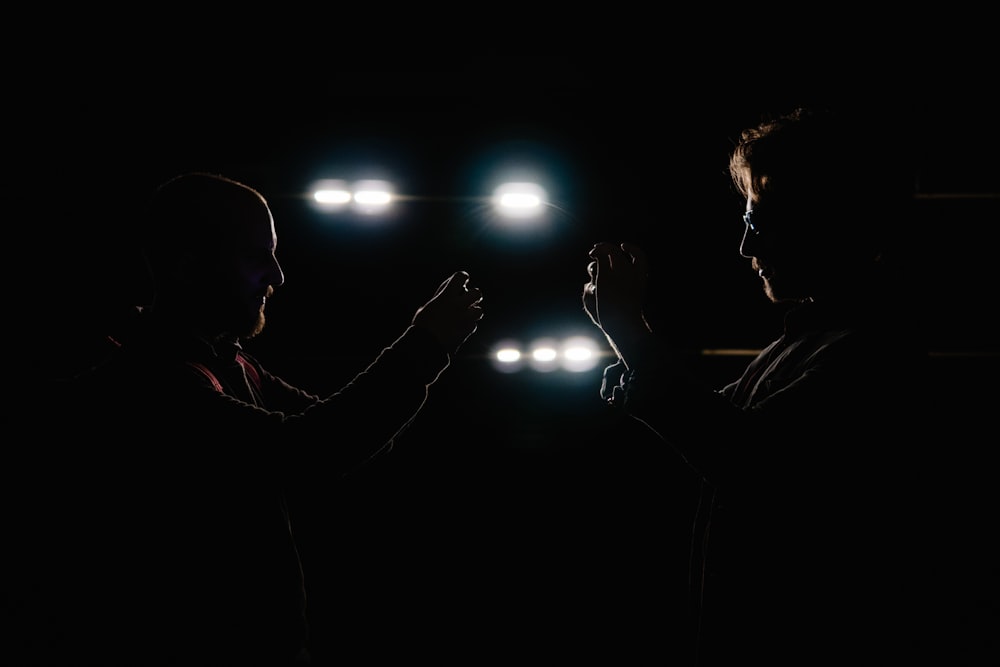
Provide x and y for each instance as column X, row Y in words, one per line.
column 250, row 327
column 257, row 328
column 769, row 291
column 775, row 294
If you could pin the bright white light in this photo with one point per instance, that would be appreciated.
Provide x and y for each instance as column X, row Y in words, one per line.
column 507, row 356
column 574, row 354
column 331, row 193
column 580, row 354
column 332, row 196
column 372, row 196
column 544, row 355
column 519, row 200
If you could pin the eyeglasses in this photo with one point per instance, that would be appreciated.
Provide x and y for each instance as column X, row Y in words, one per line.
column 778, row 219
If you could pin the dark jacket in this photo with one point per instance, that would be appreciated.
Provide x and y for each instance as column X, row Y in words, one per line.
column 802, row 534
column 169, row 537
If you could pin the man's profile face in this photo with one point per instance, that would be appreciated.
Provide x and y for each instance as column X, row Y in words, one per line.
column 788, row 245
column 244, row 274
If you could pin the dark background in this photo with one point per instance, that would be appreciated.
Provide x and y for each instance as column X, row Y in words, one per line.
column 496, row 513
column 632, row 146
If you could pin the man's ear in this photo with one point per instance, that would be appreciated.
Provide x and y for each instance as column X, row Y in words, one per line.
column 186, row 270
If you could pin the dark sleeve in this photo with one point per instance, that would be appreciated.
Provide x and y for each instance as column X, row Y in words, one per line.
column 823, row 413
column 334, row 433
column 700, row 424
column 381, row 402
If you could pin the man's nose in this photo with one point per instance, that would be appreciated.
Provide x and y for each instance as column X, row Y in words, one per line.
column 276, row 277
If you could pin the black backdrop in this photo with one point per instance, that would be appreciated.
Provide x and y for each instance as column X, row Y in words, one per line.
column 504, row 508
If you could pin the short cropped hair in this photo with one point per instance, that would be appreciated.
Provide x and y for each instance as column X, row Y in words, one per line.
column 858, row 163
column 192, row 214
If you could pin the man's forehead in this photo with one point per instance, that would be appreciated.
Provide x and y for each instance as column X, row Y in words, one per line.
column 249, row 225
column 249, row 211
